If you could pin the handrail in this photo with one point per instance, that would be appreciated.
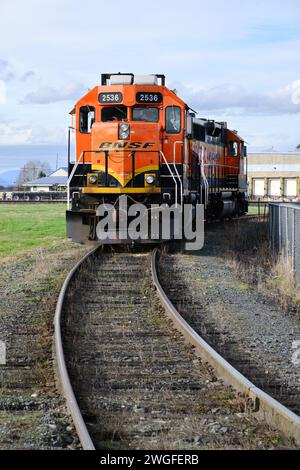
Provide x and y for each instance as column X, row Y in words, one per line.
column 174, row 179
column 174, row 148
column 106, row 152
column 132, row 152
column 206, row 184
column 180, row 182
column 177, row 173
column 213, row 165
column 71, row 176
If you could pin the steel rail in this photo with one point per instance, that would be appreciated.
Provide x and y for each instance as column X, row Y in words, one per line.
column 83, row 434
column 274, row 413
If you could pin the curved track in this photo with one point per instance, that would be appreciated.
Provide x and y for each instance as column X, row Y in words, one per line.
column 107, row 311
column 63, row 375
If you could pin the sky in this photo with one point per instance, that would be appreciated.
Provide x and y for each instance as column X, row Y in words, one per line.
column 229, row 60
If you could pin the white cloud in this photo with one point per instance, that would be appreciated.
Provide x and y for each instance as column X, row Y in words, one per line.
column 27, row 75
column 6, row 71
column 47, row 94
column 11, row 71
column 48, row 135
column 234, row 99
column 296, row 92
column 14, row 133
column 232, row 58
column 2, row 92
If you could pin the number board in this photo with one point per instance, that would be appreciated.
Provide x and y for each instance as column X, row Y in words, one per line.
column 148, row 97
column 110, row 97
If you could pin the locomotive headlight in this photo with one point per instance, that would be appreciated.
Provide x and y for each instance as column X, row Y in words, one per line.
column 124, row 130
column 93, row 179
column 150, row 179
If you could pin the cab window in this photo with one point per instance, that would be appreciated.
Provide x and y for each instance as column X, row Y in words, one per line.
column 86, row 119
column 113, row 113
column 173, row 119
column 233, row 149
column 145, row 114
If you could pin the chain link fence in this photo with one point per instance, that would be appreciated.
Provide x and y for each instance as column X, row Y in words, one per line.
column 284, row 230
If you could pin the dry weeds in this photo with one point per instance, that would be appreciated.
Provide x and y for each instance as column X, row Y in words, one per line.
column 249, row 254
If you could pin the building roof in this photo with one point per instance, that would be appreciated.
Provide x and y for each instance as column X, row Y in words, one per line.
column 273, row 165
column 50, row 180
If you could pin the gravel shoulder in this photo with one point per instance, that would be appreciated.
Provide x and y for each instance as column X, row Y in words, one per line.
column 243, row 325
column 32, row 413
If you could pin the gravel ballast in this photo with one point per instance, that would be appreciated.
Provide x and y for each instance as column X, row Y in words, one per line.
column 32, row 412
column 243, row 325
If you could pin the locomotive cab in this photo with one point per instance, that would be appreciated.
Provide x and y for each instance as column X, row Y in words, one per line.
column 122, row 133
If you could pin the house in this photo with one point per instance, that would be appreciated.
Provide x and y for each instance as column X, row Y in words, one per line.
column 55, row 181
column 274, row 175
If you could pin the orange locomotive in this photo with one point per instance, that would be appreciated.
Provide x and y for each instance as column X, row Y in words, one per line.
column 134, row 136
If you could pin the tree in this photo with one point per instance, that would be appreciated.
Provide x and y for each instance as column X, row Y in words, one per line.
column 31, row 170
column 298, row 148
column 41, row 174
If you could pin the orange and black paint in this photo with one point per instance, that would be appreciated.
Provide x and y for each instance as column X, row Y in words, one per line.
column 128, row 131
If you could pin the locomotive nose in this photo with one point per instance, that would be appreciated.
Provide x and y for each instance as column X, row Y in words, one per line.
column 125, row 151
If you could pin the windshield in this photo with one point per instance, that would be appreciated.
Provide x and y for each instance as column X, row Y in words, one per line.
column 113, row 113
column 145, row 114
column 173, row 119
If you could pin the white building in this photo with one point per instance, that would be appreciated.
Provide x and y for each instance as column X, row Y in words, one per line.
column 56, row 181
column 274, row 175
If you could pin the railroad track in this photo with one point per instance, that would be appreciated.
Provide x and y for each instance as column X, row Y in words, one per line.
column 136, row 378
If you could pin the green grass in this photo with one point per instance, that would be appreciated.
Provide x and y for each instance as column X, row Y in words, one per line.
column 26, row 226
column 254, row 209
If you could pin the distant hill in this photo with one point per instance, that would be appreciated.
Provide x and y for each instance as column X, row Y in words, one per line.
column 9, row 177
column 3, row 183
